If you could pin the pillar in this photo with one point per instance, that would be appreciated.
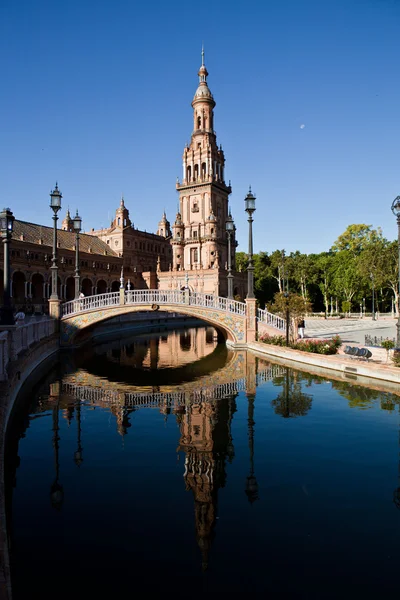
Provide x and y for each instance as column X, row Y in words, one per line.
column 251, row 320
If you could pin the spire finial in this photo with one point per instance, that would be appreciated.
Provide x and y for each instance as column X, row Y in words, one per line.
column 202, row 54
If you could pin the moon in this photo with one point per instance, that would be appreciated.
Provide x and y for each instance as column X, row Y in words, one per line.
column 302, row 126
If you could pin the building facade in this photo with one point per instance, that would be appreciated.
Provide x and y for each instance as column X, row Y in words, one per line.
column 192, row 253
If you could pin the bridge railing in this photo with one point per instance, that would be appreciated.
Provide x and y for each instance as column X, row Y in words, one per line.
column 20, row 338
column 270, row 319
column 153, row 297
column 217, row 302
column 89, row 303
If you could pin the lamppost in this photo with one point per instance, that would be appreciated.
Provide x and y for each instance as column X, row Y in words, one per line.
column 229, row 226
column 55, row 205
column 77, row 223
column 6, row 227
column 396, row 212
column 250, row 207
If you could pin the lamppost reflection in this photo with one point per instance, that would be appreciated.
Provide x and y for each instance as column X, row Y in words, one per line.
column 251, row 481
column 78, row 459
column 56, row 490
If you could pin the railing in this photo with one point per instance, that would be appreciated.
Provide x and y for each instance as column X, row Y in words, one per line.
column 89, row 303
column 153, row 297
column 168, row 399
column 272, row 320
column 217, row 302
column 20, row 338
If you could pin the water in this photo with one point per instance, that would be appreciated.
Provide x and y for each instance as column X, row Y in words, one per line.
column 215, row 473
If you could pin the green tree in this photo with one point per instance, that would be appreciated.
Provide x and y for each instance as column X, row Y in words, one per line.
column 298, row 308
column 356, row 237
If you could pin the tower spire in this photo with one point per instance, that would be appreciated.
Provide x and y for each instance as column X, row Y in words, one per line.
column 202, row 55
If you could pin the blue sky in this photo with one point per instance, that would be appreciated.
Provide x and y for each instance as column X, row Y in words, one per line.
column 97, row 96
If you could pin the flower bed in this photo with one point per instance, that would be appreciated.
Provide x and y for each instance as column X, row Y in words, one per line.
column 316, row 346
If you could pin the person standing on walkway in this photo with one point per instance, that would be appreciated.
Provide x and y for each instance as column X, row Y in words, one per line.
column 300, row 327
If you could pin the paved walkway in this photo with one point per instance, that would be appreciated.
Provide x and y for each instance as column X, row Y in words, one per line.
column 350, row 330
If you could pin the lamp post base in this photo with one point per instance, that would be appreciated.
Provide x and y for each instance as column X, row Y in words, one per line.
column 6, row 316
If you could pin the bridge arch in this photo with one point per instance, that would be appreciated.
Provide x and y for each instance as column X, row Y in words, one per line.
column 226, row 315
column 72, row 327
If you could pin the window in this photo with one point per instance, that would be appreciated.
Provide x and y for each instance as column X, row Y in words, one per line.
column 195, row 234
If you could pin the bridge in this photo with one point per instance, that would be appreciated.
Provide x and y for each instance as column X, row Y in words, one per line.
column 109, row 394
column 239, row 321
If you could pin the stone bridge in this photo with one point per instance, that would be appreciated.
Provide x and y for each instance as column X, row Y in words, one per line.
column 238, row 321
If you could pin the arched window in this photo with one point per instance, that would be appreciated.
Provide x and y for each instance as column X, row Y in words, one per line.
column 196, row 172
column 203, row 170
column 189, row 173
column 124, row 222
column 119, row 221
column 198, row 122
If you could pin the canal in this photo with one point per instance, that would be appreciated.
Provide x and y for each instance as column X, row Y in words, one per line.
column 168, row 463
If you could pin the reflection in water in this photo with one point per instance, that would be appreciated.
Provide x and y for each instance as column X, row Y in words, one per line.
column 251, row 481
column 207, row 442
column 118, row 497
column 291, row 402
column 56, row 490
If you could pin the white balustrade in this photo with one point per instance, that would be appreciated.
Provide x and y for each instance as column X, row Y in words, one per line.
column 272, row 320
column 89, row 303
column 20, row 338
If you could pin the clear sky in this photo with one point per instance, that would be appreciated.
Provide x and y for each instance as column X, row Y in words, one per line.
column 96, row 95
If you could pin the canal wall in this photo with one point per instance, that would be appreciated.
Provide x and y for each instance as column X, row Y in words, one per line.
column 32, row 362
column 334, row 362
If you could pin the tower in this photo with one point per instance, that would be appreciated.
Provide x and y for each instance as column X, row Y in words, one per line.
column 199, row 237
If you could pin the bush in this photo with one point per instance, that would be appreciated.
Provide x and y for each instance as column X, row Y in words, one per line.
column 276, row 340
column 396, row 357
column 316, row 346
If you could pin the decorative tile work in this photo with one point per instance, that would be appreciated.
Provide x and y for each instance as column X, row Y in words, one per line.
column 234, row 325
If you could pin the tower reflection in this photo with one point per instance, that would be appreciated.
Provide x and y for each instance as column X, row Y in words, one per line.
column 206, row 439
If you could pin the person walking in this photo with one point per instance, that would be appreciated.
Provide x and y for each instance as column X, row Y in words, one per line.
column 300, row 327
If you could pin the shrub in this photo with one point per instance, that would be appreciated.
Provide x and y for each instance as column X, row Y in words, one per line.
column 396, row 357
column 276, row 340
column 388, row 344
column 309, row 345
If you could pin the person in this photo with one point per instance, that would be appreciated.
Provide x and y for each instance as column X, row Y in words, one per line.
column 81, row 295
column 301, row 326
column 20, row 317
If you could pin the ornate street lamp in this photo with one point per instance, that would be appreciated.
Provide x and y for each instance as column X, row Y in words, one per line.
column 396, row 212
column 77, row 224
column 250, row 207
column 6, row 228
column 55, row 205
column 230, row 226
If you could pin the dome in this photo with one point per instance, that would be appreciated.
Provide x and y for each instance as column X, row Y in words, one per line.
column 203, row 91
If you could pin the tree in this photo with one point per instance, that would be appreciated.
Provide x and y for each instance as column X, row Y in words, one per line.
column 323, row 264
column 242, row 261
column 346, row 277
column 277, row 268
column 356, row 237
column 298, row 308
